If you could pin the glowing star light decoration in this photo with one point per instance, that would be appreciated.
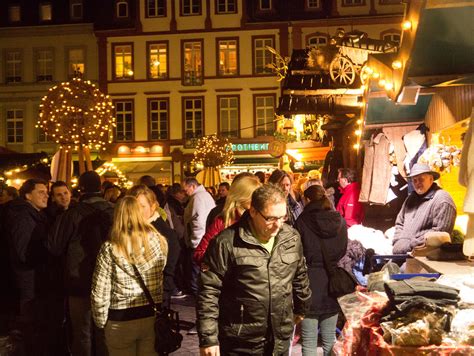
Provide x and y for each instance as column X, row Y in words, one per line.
column 213, row 151
column 76, row 114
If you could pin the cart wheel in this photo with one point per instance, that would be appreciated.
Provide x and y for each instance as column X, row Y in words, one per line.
column 342, row 70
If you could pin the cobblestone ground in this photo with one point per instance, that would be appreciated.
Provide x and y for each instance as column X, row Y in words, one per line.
column 190, row 345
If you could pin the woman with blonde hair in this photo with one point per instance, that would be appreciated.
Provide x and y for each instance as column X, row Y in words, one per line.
column 237, row 202
column 149, row 206
column 118, row 302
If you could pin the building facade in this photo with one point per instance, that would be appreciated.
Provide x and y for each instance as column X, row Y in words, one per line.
column 41, row 44
column 179, row 70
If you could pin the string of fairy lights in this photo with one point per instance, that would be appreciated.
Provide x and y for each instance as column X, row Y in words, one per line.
column 123, row 181
column 213, row 151
column 76, row 114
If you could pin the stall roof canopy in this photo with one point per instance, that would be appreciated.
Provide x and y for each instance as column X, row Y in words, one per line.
column 142, row 167
column 444, row 42
column 383, row 111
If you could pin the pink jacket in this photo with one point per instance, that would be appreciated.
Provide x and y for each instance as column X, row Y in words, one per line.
column 349, row 205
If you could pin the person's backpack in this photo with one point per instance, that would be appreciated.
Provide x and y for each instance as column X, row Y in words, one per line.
column 83, row 248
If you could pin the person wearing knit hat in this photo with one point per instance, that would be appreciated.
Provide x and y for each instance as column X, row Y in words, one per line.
column 426, row 210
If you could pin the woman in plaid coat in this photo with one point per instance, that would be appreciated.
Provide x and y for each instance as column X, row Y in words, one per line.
column 118, row 302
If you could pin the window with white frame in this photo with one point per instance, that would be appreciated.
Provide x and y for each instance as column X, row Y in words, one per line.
column 264, row 115
column 123, row 61
column 13, row 62
column 262, row 56
column 191, row 7
column 392, row 37
column 44, row 65
column 265, row 5
column 226, row 6
column 193, row 119
column 121, row 9
column 158, row 119
column 46, row 12
column 14, row 126
column 317, row 41
column 124, row 120
column 156, row 8
column 76, row 62
column 228, row 60
column 229, row 116
column 352, row 2
column 14, row 13
column 312, row 4
column 192, row 63
column 158, row 60
column 76, row 10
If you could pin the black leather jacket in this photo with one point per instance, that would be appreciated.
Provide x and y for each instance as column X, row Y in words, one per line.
column 243, row 287
column 77, row 236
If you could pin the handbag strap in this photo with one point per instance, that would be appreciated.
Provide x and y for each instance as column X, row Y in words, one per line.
column 145, row 289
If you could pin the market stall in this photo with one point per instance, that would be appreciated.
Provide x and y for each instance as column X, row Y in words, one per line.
column 418, row 108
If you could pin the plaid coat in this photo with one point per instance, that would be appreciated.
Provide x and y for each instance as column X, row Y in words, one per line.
column 114, row 285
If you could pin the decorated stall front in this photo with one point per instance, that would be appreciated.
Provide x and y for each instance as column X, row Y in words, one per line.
column 418, row 109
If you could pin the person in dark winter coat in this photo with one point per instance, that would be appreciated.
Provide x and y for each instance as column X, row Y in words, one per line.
column 319, row 222
column 148, row 204
column 77, row 236
column 27, row 230
column 253, row 282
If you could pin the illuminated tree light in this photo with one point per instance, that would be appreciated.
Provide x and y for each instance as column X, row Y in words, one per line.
column 75, row 111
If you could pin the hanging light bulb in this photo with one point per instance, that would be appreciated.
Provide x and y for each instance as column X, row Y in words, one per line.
column 406, row 25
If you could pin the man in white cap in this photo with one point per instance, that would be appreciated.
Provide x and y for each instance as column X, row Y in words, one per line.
column 426, row 210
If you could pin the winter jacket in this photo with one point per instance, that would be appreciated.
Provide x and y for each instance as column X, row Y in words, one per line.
column 115, row 287
column 432, row 211
column 215, row 212
column 176, row 211
column 174, row 251
column 195, row 215
column 314, row 225
column 243, row 287
column 212, row 231
column 27, row 230
column 293, row 210
column 77, row 236
column 349, row 207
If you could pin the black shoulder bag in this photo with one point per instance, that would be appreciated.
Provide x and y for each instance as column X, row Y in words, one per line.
column 167, row 336
column 341, row 281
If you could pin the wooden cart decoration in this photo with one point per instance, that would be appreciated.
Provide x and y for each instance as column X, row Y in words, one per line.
column 346, row 56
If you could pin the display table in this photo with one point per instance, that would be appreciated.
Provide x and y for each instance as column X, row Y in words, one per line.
column 424, row 265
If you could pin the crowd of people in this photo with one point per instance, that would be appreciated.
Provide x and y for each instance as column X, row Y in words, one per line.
column 249, row 253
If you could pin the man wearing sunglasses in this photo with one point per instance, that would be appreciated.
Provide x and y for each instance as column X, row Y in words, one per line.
column 253, row 283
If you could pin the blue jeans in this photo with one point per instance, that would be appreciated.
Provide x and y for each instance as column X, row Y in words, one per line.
column 309, row 333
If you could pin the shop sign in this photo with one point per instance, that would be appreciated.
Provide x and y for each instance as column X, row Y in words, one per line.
column 237, row 147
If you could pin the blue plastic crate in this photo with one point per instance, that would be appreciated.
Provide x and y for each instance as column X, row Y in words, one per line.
column 402, row 276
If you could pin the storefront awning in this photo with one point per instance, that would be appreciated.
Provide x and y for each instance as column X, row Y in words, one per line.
column 382, row 111
column 308, row 154
column 437, row 47
column 143, row 167
column 255, row 160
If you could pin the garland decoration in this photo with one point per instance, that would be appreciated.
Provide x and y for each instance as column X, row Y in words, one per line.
column 76, row 114
column 213, row 151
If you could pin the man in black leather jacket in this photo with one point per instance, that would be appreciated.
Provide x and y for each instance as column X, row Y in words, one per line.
column 253, row 283
column 77, row 236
